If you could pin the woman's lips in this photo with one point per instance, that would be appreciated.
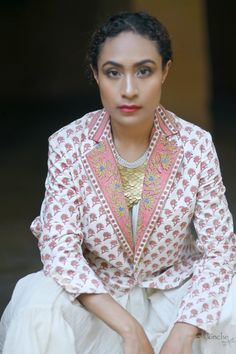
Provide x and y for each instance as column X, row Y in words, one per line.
column 129, row 108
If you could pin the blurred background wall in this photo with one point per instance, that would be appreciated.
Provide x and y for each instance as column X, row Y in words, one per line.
column 44, row 86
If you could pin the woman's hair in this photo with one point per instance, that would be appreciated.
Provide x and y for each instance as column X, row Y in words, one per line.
column 137, row 22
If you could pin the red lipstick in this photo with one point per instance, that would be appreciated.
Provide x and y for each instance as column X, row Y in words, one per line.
column 129, row 108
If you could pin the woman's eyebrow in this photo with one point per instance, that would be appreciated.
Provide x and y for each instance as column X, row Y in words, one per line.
column 146, row 61
column 142, row 62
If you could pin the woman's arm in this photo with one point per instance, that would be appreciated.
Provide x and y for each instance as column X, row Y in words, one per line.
column 213, row 273
column 116, row 317
column 180, row 339
column 202, row 303
column 59, row 231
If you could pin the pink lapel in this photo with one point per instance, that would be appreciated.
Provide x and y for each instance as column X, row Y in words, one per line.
column 163, row 163
column 104, row 175
column 164, row 157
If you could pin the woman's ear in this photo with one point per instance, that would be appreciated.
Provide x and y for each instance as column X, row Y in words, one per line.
column 95, row 74
column 166, row 70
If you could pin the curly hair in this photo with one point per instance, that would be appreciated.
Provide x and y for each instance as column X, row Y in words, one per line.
column 137, row 22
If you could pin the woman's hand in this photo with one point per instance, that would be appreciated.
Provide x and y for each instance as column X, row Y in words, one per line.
column 180, row 339
column 137, row 342
column 120, row 320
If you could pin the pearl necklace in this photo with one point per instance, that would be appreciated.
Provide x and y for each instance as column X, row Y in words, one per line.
column 139, row 162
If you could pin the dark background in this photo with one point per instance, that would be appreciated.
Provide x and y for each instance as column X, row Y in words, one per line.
column 44, row 86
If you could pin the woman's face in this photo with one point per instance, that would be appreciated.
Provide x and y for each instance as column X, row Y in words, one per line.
column 130, row 77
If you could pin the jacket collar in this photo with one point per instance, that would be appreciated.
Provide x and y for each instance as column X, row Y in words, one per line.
column 99, row 127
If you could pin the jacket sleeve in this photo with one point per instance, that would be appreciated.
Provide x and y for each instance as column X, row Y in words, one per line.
column 212, row 277
column 59, row 230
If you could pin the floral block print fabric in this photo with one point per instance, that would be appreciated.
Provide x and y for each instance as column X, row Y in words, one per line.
column 84, row 229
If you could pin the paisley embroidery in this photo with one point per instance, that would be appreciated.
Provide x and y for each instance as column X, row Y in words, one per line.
column 148, row 201
column 165, row 160
column 102, row 163
column 120, row 209
column 160, row 171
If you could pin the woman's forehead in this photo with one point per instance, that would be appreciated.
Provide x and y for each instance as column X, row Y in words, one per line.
column 128, row 46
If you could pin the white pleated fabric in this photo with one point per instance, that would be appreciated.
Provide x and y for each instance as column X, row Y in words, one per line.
column 40, row 319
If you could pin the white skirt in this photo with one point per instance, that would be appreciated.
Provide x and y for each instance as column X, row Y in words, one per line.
column 40, row 319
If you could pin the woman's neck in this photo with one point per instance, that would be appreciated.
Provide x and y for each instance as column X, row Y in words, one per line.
column 131, row 142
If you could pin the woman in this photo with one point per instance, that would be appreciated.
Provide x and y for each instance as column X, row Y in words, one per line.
column 123, row 272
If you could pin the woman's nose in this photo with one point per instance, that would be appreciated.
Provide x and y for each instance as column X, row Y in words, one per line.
column 129, row 87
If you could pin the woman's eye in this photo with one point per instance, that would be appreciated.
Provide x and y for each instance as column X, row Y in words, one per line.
column 113, row 73
column 143, row 72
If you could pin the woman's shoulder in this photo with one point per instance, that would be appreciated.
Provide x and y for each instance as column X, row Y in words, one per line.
column 189, row 129
column 75, row 131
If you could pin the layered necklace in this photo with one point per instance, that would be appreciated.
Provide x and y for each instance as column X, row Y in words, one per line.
column 132, row 175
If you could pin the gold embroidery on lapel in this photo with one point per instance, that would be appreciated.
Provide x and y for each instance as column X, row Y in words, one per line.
column 159, row 174
column 104, row 175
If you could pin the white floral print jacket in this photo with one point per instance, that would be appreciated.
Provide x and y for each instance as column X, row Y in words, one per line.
column 84, row 229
